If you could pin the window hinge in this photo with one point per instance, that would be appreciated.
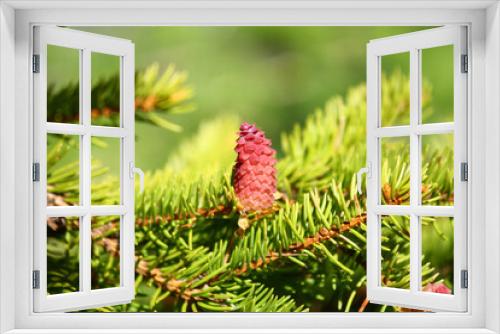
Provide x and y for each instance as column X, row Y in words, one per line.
column 465, row 64
column 36, row 279
column 36, row 172
column 464, row 171
column 464, row 279
column 36, row 63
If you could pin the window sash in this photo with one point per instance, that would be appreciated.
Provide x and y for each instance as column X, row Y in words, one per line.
column 414, row 43
column 86, row 43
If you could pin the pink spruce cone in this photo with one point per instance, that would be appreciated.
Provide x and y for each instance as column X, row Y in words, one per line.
column 437, row 288
column 254, row 173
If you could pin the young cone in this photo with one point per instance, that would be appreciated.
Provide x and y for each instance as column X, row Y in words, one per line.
column 254, row 173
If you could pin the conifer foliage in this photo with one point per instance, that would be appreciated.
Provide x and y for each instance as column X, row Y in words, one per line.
column 156, row 95
column 304, row 250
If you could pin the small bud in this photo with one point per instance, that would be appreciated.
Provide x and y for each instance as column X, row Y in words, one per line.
column 243, row 223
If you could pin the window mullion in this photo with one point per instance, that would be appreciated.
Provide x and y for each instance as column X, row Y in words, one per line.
column 85, row 174
column 406, row 210
column 415, row 235
column 435, row 128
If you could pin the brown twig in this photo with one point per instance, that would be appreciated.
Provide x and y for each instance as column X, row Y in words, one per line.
column 175, row 286
column 294, row 249
column 364, row 304
column 201, row 212
column 390, row 198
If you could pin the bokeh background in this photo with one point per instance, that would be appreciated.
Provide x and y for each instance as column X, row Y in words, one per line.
column 272, row 76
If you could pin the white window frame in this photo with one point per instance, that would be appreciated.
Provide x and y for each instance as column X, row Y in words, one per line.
column 16, row 21
column 413, row 44
column 85, row 44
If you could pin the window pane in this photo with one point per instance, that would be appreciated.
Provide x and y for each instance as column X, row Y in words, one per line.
column 63, row 87
column 63, row 170
column 105, row 252
column 395, row 251
column 105, row 187
column 105, row 89
column 437, row 90
column 437, row 254
column 437, row 169
column 395, row 170
column 63, row 255
column 395, row 98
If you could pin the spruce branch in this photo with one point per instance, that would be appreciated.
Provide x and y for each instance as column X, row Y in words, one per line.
column 156, row 95
column 294, row 249
column 306, row 253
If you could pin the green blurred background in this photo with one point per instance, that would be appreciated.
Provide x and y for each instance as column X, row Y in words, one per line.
column 273, row 76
